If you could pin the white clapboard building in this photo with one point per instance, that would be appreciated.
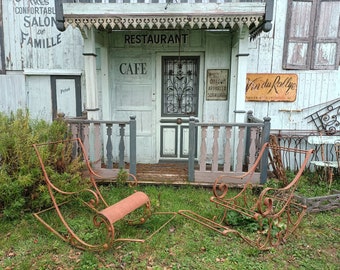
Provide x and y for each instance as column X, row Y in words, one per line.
column 164, row 61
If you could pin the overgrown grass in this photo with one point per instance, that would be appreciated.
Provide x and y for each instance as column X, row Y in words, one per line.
column 26, row 244
column 311, row 184
column 316, row 184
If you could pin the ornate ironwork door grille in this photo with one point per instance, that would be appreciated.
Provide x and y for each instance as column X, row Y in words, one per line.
column 180, row 86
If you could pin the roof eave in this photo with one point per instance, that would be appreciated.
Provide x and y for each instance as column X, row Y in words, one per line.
column 154, row 16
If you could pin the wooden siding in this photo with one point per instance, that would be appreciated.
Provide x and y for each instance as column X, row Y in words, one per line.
column 32, row 41
column 33, row 51
column 12, row 92
column 316, row 88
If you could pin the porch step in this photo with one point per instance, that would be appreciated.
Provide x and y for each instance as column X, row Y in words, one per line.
column 162, row 172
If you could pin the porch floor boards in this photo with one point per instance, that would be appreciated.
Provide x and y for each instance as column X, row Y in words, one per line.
column 169, row 173
column 164, row 173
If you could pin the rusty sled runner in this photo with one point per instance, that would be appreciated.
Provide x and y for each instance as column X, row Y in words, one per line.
column 274, row 211
column 69, row 178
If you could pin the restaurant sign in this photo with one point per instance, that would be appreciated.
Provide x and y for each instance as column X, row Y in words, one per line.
column 271, row 87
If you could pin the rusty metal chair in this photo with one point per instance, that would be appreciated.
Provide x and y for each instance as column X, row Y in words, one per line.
column 275, row 212
column 329, row 157
column 69, row 179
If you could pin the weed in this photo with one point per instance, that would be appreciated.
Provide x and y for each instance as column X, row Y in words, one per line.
column 122, row 177
column 311, row 186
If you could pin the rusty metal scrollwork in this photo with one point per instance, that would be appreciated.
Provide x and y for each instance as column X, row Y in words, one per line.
column 327, row 119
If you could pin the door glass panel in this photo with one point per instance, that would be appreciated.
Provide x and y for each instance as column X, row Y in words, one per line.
column 66, row 97
column 180, row 86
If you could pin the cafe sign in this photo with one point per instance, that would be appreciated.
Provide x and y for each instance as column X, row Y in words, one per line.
column 271, row 87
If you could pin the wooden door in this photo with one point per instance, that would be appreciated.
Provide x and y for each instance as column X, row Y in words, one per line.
column 180, row 92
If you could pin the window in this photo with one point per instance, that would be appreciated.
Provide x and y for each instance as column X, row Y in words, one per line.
column 312, row 35
column 66, row 96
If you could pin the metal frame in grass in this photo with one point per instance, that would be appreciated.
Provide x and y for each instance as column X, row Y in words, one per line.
column 55, row 158
column 274, row 211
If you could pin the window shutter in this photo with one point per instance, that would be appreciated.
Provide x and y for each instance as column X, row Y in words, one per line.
column 299, row 32
column 312, row 38
column 327, row 36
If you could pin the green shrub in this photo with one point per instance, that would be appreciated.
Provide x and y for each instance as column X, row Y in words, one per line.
column 21, row 180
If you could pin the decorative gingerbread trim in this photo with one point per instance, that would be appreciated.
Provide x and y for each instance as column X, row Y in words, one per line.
column 119, row 22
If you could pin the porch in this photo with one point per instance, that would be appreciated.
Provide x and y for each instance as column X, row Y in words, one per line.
column 214, row 149
column 222, row 149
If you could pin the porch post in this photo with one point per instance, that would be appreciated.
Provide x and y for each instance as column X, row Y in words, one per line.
column 192, row 149
column 239, row 66
column 133, row 140
column 238, row 85
column 91, row 105
column 89, row 53
column 264, row 159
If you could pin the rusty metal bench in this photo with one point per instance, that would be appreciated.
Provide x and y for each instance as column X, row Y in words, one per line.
column 274, row 211
column 66, row 162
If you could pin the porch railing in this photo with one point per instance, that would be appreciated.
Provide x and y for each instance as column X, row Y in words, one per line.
column 99, row 143
column 226, row 148
column 299, row 139
column 223, row 148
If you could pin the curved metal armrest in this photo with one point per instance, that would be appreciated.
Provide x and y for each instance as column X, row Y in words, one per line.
column 266, row 203
column 92, row 203
column 220, row 188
